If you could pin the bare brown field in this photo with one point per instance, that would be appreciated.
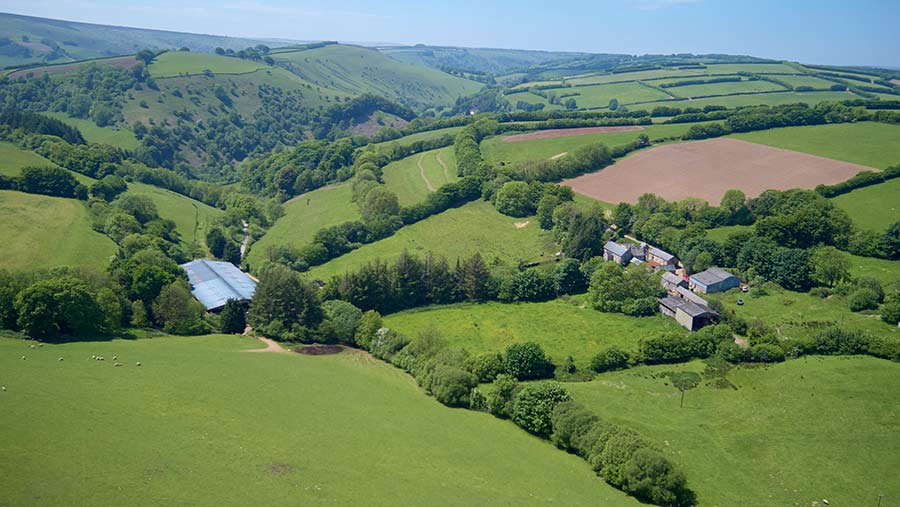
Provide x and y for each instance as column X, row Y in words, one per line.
column 122, row 61
column 706, row 169
column 544, row 134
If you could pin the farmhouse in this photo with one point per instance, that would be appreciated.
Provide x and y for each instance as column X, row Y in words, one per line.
column 714, row 280
column 671, row 282
column 213, row 283
column 624, row 253
column 691, row 315
column 617, row 252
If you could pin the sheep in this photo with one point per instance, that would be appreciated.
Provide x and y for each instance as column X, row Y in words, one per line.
column 60, row 359
column 138, row 363
column 118, row 364
column 94, row 358
column 115, row 358
column 31, row 346
column 3, row 388
column 23, row 358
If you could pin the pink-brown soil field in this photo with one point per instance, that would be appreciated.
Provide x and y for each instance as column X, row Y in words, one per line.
column 544, row 134
column 706, row 169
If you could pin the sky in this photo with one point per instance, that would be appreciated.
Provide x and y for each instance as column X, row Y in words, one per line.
column 838, row 32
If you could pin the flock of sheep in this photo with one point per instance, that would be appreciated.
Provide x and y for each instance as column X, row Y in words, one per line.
column 94, row 357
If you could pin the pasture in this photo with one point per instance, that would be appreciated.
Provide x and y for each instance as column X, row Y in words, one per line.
column 303, row 216
column 202, row 423
column 866, row 143
column 562, row 328
column 13, row 159
column 756, row 99
column 177, row 63
column 793, row 433
column 420, row 136
column 192, row 218
column 416, row 176
column 598, row 96
column 120, row 137
column 44, row 232
column 452, row 235
column 729, row 88
column 815, row 83
column 875, row 207
column 706, row 169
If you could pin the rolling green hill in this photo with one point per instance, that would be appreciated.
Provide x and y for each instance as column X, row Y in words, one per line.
column 44, row 232
column 355, row 70
column 31, row 40
column 202, row 423
column 118, row 137
column 192, row 218
column 414, row 177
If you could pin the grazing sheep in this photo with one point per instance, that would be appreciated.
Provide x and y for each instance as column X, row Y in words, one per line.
column 31, row 346
column 138, row 363
column 94, row 358
column 3, row 388
column 23, row 358
column 115, row 358
column 119, row 364
column 60, row 359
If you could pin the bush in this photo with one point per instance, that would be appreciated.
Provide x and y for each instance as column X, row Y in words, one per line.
column 533, row 406
column 863, row 299
column 570, row 421
column 609, row 359
column 890, row 312
column 618, row 450
column 486, row 366
column 234, row 321
column 452, row 386
column 526, row 361
column 766, row 353
column 341, row 321
column 651, row 477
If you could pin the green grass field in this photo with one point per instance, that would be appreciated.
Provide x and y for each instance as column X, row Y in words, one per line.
column 410, row 177
column 721, row 233
column 44, row 232
column 874, row 207
column 756, row 68
column 421, row 136
column 303, row 216
column 643, row 75
column 867, row 143
column 497, row 150
column 704, row 90
column 13, row 159
column 192, row 218
column 756, row 99
column 120, row 138
column 201, row 423
column 800, row 80
column 888, row 272
column 175, row 63
column 562, row 328
column 451, row 235
column 789, row 434
column 598, row 96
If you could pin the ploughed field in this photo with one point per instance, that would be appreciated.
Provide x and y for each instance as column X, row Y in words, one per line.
column 706, row 169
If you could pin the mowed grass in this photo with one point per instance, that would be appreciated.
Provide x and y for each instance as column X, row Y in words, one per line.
column 598, row 96
column 562, row 328
column 789, row 434
column 303, row 216
column 410, row 177
column 875, row 207
column 455, row 233
column 867, row 143
column 704, row 90
column 44, row 232
column 202, row 423
column 175, row 63
column 498, row 150
column 192, row 218
column 120, row 138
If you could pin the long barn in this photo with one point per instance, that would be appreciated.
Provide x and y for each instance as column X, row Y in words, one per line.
column 213, row 283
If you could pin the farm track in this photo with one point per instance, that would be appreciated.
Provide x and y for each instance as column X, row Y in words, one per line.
column 441, row 161
column 271, row 346
column 422, row 173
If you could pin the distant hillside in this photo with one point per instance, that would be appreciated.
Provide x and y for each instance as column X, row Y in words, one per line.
column 28, row 40
column 478, row 60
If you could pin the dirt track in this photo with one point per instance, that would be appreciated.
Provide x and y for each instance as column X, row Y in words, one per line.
column 271, row 346
column 706, row 169
column 544, row 134
column 422, row 173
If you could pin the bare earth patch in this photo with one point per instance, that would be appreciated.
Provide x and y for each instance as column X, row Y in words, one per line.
column 544, row 134
column 559, row 155
column 520, row 225
column 280, row 468
column 271, row 346
column 706, row 169
column 319, row 350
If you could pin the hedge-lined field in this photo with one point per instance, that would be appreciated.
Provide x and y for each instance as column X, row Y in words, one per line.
column 201, row 423
column 174, row 63
column 405, row 177
column 192, row 218
column 875, row 207
column 120, row 138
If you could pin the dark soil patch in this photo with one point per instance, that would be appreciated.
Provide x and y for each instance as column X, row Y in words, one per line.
column 319, row 350
column 280, row 468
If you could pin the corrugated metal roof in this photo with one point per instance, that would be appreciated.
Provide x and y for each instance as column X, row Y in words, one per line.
column 695, row 310
column 690, row 296
column 665, row 256
column 672, row 278
column 213, row 283
column 711, row 276
column 616, row 248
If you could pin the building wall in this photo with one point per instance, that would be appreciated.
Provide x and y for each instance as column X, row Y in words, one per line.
column 685, row 320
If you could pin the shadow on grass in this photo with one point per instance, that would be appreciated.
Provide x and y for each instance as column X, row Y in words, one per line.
column 128, row 334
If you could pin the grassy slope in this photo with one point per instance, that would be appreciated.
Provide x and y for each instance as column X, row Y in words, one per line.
column 451, row 234
column 598, row 96
column 769, row 99
column 13, row 159
column 404, row 178
column 200, row 423
column 421, row 136
column 874, row 207
column 496, row 149
column 304, row 215
column 867, row 143
column 174, row 63
column 356, row 70
column 702, row 90
column 791, row 434
column 43, row 232
column 121, row 138
column 562, row 328
column 815, row 82
column 192, row 218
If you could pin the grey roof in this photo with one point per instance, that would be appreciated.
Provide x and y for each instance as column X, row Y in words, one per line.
column 711, row 276
column 616, row 248
column 635, row 260
column 690, row 296
column 672, row 303
column 695, row 310
column 656, row 252
column 672, row 278
column 213, row 283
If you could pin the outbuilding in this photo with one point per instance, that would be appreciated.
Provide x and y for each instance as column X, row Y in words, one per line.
column 617, row 252
column 687, row 313
column 213, row 283
column 714, row 280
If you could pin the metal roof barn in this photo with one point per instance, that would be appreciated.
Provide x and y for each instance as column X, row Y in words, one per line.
column 213, row 283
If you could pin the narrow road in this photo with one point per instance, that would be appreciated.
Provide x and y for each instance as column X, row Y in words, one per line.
column 271, row 346
column 422, row 173
column 246, row 237
column 441, row 161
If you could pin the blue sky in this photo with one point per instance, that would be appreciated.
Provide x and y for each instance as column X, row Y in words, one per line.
column 864, row 32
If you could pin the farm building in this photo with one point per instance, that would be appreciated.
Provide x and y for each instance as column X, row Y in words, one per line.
column 671, row 282
column 213, row 283
column 624, row 253
column 617, row 252
column 714, row 280
column 689, row 314
column 660, row 259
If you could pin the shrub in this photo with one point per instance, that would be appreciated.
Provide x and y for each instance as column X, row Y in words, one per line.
column 570, row 420
column 650, row 476
column 499, row 399
column 486, row 366
column 766, row 353
column 526, row 361
column 452, row 386
column 868, row 282
column 837, row 341
column 533, row 406
column 369, row 324
column 341, row 321
column 890, row 312
column 618, row 450
column 477, row 400
column 863, row 299
column 609, row 359
column 234, row 320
